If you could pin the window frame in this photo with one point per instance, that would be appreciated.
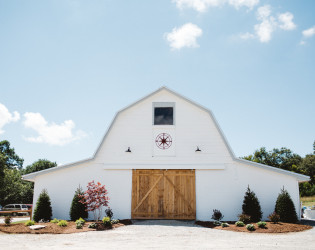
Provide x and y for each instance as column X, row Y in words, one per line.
column 163, row 105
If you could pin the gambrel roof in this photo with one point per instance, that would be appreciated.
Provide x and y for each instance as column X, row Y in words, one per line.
column 299, row 177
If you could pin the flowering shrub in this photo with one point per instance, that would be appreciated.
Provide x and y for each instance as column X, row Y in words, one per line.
column 29, row 223
column 54, row 221
column 240, row 224
column 114, row 221
column 224, row 224
column 62, row 223
column 95, row 197
column 92, row 225
column 274, row 217
column 217, row 215
column 262, row 224
column 250, row 227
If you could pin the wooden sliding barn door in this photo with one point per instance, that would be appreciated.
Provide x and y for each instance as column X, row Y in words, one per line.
column 163, row 194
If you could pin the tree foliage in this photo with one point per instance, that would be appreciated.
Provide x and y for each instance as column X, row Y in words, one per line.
column 43, row 210
column 9, row 158
column 282, row 158
column 95, row 198
column 39, row 165
column 251, row 206
column 78, row 209
column 285, row 159
column 285, row 207
column 308, row 166
column 12, row 188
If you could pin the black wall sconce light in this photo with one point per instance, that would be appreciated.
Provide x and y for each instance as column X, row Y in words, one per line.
column 197, row 150
column 128, row 150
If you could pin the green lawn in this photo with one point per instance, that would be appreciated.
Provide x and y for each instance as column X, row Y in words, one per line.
column 308, row 201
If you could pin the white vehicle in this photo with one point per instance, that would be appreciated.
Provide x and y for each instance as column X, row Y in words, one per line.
column 15, row 207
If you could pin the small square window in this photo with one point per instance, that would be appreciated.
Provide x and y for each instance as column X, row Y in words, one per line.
column 163, row 116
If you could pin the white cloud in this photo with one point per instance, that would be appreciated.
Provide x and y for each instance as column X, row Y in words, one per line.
column 309, row 32
column 198, row 5
column 247, row 35
column 264, row 30
column 263, row 12
column 286, row 22
column 7, row 117
column 184, row 36
column 244, row 3
column 203, row 5
column 268, row 24
column 51, row 133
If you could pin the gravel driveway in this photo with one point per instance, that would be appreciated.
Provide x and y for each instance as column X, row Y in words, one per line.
column 161, row 235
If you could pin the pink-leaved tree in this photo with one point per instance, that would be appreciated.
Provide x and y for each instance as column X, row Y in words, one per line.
column 95, row 198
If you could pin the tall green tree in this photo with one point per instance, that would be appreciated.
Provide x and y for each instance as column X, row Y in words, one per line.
column 282, row 158
column 9, row 158
column 308, row 166
column 38, row 165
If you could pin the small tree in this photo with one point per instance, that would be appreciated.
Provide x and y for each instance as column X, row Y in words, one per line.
column 95, row 197
column 78, row 209
column 251, row 206
column 285, row 207
column 43, row 210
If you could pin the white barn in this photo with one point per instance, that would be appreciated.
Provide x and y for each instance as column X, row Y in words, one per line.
column 165, row 157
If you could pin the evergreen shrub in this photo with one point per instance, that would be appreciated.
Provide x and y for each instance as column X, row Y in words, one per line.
column 43, row 210
column 285, row 207
column 78, row 209
column 251, row 206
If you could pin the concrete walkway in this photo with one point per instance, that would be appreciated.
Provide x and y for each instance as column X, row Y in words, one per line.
column 163, row 234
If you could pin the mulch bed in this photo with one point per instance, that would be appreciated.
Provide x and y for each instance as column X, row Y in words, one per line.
column 270, row 227
column 53, row 228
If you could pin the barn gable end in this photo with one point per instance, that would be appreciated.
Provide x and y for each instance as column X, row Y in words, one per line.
column 166, row 157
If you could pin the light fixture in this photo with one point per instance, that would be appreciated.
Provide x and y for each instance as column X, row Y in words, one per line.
column 198, row 150
column 128, row 150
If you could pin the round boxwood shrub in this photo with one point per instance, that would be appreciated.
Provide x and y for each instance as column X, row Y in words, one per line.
column 29, row 223
column 77, row 209
column 62, row 223
column 224, row 224
column 250, row 227
column 251, row 206
column 240, row 224
column 43, row 210
column 261, row 224
column 285, row 207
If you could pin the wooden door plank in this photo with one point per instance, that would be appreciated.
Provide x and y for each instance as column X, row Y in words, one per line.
column 178, row 191
column 147, row 194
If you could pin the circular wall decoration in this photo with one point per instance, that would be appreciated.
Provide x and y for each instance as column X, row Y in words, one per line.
column 163, row 141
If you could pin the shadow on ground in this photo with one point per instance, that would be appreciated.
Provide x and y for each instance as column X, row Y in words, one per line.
column 173, row 223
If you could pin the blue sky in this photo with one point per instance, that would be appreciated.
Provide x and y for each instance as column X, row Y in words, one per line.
column 66, row 68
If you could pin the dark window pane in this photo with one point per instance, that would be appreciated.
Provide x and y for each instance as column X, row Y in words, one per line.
column 163, row 116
